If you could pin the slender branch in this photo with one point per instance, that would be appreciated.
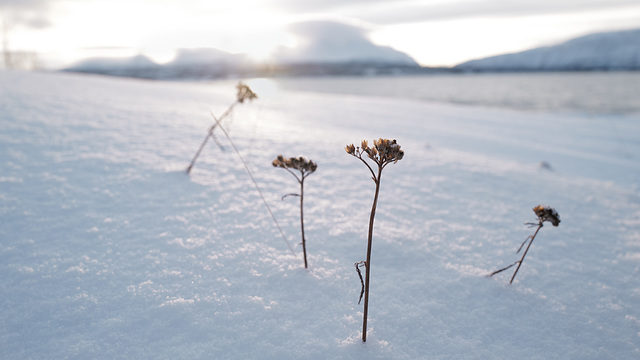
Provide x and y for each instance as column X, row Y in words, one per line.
column 292, row 194
column 373, row 174
column 294, row 175
column 501, row 270
column 255, row 183
column 204, row 142
column 215, row 140
column 363, row 263
column 524, row 242
column 525, row 252
column 210, row 134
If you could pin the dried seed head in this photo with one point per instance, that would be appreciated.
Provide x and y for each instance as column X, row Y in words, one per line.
column 245, row 93
column 382, row 152
column 300, row 163
column 547, row 213
column 350, row 149
column 389, row 150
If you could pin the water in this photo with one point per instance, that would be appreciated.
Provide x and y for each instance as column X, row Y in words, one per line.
column 582, row 92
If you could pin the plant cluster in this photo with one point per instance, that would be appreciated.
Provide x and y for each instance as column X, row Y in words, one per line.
column 375, row 158
column 306, row 168
column 544, row 213
column 244, row 93
column 383, row 152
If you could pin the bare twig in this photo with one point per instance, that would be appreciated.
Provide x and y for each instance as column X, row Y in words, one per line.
column 358, row 264
column 292, row 194
column 525, row 252
column 503, row 269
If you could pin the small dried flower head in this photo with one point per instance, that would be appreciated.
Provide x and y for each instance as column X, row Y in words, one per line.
column 300, row 163
column 350, row 149
column 547, row 213
column 382, row 152
column 245, row 93
column 389, row 150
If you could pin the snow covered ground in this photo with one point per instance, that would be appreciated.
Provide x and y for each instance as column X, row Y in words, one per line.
column 108, row 250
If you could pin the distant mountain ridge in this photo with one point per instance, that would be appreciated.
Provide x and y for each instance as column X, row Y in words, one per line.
column 233, row 65
column 618, row 50
column 324, row 48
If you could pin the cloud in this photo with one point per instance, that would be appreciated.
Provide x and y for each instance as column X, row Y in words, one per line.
column 322, row 41
column 410, row 11
column 22, row 3
column 28, row 13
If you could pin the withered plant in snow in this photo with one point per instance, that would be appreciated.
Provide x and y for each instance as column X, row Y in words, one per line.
column 544, row 213
column 383, row 153
column 244, row 93
column 306, row 168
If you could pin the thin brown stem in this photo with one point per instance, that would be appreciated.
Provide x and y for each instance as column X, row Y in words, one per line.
column 210, row 134
column 304, row 243
column 525, row 252
column 204, row 142
column 368, row 261
column 373, row 174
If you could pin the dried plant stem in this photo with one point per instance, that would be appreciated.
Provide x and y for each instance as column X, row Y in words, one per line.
column 246, row 167
column 367, row 276
column 383, row 152
column 304, row 243
column 358, row 264
column 210, row 134
column 525, row 252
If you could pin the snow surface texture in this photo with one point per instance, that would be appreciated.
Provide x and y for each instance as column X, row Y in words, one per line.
column 108, row 250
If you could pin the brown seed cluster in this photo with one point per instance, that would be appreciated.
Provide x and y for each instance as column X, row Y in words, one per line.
column 245, row 93
column 382, row 152
column 300, row 163
column 547, row 213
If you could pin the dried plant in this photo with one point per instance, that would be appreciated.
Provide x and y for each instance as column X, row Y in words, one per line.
column 544, row 213
column 244, row 93
column 306, row 168
column 383, row 153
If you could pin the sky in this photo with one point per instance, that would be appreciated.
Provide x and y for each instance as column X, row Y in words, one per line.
column 432, row 32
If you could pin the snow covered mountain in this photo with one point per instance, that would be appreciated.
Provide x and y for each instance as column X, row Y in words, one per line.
column 334, row 42
column 324, row 48
column 125, row 66
column 619, row 50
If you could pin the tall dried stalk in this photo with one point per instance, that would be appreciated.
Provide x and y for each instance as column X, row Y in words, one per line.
column 383, row 152
column 244, row 93
column 306, row 168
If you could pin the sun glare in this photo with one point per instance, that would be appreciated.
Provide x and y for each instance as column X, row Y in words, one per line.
column 156, row 29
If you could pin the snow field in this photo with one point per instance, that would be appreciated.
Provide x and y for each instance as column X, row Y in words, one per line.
column 108, row 250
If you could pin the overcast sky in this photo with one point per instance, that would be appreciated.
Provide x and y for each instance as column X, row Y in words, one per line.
column 433, row 32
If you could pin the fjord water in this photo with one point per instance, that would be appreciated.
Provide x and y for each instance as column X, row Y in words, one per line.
column 581, row 92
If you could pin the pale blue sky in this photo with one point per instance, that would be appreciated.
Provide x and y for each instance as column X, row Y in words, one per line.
column 433, row 32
